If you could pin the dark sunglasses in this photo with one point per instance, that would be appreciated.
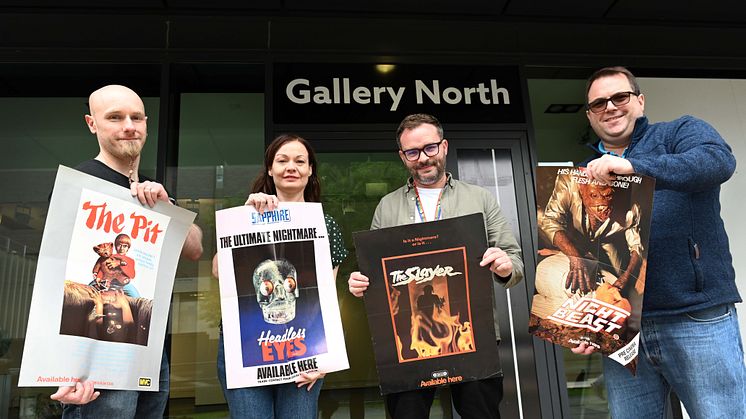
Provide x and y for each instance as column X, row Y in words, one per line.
column 618, row 99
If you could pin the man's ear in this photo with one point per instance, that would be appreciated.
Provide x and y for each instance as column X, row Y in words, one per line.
column 91, row 123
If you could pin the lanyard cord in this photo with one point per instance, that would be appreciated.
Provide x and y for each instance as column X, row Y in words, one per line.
column 421, row 208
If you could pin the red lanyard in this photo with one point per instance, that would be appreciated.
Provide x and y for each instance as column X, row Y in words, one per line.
column 421, row 208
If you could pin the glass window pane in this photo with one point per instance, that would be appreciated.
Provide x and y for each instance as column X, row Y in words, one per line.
column 221, row 148
column 351, row 186
column 586, row 389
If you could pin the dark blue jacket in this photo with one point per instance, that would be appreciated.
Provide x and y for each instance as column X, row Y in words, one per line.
column 689, row 262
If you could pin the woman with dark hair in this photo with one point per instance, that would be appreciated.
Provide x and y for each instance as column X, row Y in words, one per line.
column 289, row 175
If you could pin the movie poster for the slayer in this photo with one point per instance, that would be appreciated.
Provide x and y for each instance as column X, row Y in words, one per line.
column 278, row 295
column 592, row 255
column 103, row 285
column 429, row 303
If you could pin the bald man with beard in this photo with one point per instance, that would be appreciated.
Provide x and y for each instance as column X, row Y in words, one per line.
column 118, row 121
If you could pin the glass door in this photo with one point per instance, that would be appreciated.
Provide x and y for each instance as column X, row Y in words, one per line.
column 497, row 162
column 352, row 183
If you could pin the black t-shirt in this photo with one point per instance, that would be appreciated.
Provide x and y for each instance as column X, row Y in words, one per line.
column 97, row 168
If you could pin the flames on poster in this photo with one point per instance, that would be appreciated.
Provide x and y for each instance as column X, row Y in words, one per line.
column 428, row 295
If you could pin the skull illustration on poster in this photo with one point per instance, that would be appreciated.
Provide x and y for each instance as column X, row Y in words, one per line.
column 276, row 286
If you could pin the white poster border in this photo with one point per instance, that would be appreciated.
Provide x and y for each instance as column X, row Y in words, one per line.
column 54, row 359
column 289, row 215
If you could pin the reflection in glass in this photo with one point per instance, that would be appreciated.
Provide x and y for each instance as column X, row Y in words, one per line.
column 221, row 144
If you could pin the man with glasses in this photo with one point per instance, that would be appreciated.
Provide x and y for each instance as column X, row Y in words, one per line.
column 690, row 341
column 432, row 194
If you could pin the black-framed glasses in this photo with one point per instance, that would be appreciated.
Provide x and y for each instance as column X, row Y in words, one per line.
column 430, row 150
column 618, row 99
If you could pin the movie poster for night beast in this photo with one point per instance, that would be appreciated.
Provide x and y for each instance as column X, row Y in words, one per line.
column 592, row 256
column 278, row 295
column 103, row 285
column 429, row 303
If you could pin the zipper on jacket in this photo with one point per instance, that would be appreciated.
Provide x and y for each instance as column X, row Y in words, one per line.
column 694, row 254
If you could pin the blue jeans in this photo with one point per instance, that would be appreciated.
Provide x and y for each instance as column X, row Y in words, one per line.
column 279, row 401
column 697, row 354
column 125, row 404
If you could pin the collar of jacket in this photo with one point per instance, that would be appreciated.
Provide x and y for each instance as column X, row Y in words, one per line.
column 449, row 182
column 641, row 126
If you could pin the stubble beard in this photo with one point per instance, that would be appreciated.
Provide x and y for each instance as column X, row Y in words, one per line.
column 428, row 180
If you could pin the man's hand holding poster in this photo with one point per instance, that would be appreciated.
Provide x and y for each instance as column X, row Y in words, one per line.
column 590, row 277
column 278, row 296
column 429, row 303
column 103, row 287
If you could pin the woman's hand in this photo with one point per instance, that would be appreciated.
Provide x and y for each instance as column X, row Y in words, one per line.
column 263, row 202
column 309, row 378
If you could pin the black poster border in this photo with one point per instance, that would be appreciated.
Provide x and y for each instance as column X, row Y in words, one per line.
column 418, row 240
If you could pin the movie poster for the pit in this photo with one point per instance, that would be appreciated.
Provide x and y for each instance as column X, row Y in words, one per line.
column 103, row 285
column 429, row 303
column 278, row 295
column 592, row 255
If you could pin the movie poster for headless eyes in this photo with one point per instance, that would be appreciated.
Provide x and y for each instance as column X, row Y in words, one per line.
column 429, row 303
column 102, row 289
column 278, row 295
column 592, row 255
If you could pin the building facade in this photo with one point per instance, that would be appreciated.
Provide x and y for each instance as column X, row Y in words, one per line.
column 220, row 81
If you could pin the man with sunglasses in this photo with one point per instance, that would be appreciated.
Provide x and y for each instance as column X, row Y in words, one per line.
column 432, row 194
column 690, row 341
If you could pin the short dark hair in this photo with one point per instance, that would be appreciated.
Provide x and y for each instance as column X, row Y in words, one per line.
column 415, row 120
column 610, row 71
column 264, row 182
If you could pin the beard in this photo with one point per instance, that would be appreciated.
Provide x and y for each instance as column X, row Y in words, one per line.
column 426, row 180
column 120, row 149
column 131, row 149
